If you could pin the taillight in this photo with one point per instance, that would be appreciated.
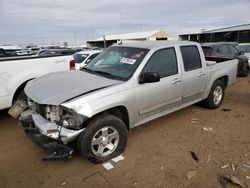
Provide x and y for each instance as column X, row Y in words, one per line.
column 72, row 65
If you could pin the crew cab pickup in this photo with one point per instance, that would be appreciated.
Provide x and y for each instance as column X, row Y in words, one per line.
column 15, row 72
column 125, row 86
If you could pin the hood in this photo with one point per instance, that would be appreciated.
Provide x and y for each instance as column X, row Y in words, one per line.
column 56, row 88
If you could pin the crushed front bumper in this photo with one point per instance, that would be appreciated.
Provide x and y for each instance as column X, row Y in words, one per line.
column 47, row 128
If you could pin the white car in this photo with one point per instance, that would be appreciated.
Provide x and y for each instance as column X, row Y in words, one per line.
column 82, row 58
column 245, row 47
column 15, row 72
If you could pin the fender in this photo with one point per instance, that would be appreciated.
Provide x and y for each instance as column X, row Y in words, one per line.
column 219, row 71
column 15, row 81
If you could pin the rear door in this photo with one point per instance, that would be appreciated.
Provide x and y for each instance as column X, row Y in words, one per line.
column 155, row 99
column 194, row 75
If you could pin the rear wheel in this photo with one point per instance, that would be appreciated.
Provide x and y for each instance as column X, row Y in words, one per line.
column 215, row 96
column 104, row 138
column 244, row 70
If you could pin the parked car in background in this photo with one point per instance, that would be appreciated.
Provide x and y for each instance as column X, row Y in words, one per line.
column 82, row 58
column 222, row 51
column 28, row 51
column 245, row 47
column 15, row 72
column 123, row 87
column 56, row 52
column 4, row 53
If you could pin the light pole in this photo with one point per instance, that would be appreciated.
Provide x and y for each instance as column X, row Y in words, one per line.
column 75, row 38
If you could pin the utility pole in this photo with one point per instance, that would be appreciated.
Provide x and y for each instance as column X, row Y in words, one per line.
column 104, row 41
column 75, row 38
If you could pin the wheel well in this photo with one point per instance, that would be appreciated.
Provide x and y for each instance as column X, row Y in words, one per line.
column 120, row 112
column 19, row 90
column 224, row 79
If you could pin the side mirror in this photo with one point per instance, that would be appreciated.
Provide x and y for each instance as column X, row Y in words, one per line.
column 241, row 53
column 210, row 63
column 87, row 62
column 149, row 77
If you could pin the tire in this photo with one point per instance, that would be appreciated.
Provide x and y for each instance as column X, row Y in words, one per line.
column 104, row 138
column 216, row 95
column 244, row 70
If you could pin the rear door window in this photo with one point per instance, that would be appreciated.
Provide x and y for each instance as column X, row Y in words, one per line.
column 92, row 56
column 191, row 57
column 79, row 58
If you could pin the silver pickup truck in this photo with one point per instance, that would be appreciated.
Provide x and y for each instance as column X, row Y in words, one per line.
column 125, row 86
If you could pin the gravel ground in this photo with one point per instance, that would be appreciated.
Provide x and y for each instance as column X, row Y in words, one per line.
column 157, row 154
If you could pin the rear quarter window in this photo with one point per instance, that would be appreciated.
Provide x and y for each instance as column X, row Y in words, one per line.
column 79, row 58
column 191, row 57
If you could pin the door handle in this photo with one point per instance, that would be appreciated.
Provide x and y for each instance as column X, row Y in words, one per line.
column 176, row 81
column 201, row 74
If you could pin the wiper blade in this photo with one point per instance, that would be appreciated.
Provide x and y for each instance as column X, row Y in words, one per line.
column 84, row 68
column 106, row 74
column 102, row 72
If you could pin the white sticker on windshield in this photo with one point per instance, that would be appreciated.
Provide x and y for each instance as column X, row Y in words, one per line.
column 128, row 60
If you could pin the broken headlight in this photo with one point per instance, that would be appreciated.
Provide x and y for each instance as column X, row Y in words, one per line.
column 71, row 119
column 63, row 116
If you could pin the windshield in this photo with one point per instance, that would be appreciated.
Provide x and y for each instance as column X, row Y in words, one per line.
column 244, row 48
column 79, row 58
column 117, row 62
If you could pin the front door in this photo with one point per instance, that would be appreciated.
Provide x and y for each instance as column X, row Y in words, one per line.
column 155, row 99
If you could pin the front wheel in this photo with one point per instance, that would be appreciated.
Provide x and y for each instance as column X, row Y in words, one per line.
column 104, row 138
column 215, row 96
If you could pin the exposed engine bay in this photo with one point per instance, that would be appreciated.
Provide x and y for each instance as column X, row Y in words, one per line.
column 59, row 115
column 50, row 126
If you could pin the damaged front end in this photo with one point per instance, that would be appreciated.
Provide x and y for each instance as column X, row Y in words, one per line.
column 50, row 126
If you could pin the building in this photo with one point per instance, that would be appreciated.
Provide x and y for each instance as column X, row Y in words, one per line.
column 127, row 37
column 239, row 33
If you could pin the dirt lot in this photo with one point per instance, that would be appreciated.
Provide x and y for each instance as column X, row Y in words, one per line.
column 157, row 154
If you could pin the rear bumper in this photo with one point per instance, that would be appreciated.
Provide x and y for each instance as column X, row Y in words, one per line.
column 51, row 131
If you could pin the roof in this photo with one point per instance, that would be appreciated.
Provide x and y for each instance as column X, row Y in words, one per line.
column 218, row 43
column 244, row 44
column 129, row 36
column 232, row 28
column 89, row 51
column 242, row 27
column 155, row 44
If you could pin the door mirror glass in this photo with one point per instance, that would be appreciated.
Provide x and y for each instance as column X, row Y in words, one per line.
column 149, row 77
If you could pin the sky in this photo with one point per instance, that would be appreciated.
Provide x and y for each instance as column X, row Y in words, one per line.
column 76, row 21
